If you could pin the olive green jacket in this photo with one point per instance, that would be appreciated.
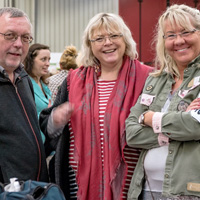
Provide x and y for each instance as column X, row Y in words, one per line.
column 183, row 130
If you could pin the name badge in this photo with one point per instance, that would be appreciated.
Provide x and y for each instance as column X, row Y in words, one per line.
column 147, row 99
column 193, row 187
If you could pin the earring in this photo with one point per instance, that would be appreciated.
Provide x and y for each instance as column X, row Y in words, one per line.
column 98, row 70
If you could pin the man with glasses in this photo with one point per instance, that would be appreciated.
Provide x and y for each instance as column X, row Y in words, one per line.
column 22, row 152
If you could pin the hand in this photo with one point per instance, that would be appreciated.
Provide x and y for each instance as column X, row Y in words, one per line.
column 148, row 118
column 49, row 104
column 195, row 104
column 62, row 114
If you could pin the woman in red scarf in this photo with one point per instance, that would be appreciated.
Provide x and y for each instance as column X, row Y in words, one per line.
column 92, row 159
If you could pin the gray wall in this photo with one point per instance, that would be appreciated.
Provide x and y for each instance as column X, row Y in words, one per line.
column 59, row 23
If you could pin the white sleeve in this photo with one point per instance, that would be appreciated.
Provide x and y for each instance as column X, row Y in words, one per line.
column 52, row 129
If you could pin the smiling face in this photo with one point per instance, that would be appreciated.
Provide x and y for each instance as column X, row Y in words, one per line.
column 41, row 63
column 13, row 53
column 110, row 53
column 183, row 49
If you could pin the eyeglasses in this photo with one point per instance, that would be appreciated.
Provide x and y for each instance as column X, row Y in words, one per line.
column 184, row 34
column 102, row 39
column 13, row 37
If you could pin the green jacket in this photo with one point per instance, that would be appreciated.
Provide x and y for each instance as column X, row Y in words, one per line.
column 183, row 161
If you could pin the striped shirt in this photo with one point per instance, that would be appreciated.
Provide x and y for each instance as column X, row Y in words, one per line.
column 104, row 90
column 131, row 155
column 72, row 167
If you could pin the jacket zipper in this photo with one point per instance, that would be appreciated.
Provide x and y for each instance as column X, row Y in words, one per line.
column 38, row 176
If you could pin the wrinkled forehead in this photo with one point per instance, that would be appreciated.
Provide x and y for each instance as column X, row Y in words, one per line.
column 9, row 23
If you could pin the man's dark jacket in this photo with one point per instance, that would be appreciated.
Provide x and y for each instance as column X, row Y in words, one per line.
column 22, row 152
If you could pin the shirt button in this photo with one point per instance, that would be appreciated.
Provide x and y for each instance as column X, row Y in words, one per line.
column 157, row 127
column 166, row 175
column 170, row 152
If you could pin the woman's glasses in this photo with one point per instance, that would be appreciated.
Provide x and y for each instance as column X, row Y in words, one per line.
column 101, row 40
column 173, row 36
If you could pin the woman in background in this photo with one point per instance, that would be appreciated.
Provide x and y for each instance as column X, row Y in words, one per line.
column 67, row 62
column 36, row 65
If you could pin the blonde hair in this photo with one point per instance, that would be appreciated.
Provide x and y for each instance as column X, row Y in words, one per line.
column 177, row 15
column 68, row 58
column 111, row 23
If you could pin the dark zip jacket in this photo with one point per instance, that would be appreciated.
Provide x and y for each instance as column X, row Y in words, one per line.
column 22, row 152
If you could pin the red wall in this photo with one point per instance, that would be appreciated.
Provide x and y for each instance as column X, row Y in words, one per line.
column 141, row 18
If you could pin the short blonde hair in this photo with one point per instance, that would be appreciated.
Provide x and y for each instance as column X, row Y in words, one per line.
column 111, row 23
column 178, row 15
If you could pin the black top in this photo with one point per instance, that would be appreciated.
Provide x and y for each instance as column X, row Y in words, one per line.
column 22, row 153
column 61, row 168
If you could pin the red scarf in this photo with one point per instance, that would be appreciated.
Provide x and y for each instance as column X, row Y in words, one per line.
column 82, row 86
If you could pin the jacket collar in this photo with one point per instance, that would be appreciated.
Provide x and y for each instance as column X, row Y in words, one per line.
column 18, row 72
